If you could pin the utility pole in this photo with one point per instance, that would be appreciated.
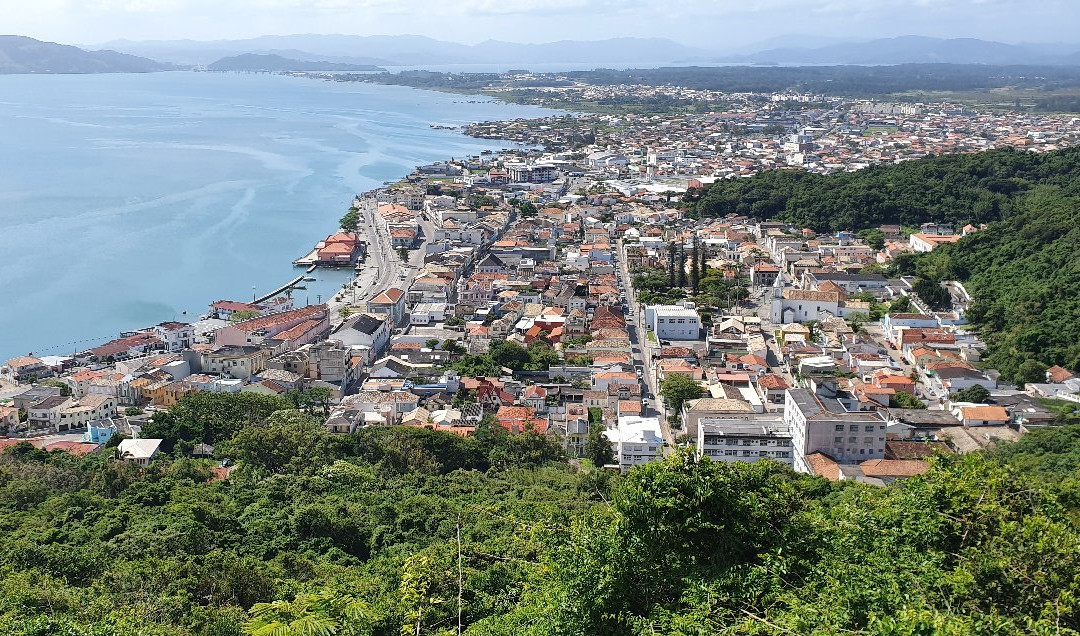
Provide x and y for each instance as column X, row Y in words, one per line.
column 459, row 574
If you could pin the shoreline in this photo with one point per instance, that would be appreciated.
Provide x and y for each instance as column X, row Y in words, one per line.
column 61, row 343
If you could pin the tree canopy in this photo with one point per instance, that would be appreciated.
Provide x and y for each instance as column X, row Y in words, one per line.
column 396, row 530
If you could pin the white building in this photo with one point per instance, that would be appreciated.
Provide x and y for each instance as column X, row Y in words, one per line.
column 177, row 336
column 745, row 441
column 819, row 423
column 673, row 322
column 140, row 451
column 636, row 440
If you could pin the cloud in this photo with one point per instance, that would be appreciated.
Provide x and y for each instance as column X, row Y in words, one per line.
column 714, row 23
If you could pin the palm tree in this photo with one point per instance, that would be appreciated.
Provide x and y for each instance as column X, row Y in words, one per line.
column 321, row 614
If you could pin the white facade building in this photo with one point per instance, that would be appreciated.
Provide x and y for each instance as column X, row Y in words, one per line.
column 673, row 322
column 636, row 440
column 745, row 441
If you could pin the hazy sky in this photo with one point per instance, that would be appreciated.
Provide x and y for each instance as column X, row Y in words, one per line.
column 718, row 24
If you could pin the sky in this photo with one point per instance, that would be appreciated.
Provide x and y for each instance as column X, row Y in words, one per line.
column 720, row 25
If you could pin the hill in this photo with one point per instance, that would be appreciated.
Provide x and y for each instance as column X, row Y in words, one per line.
column 399, row 530
column 414, row 50
column 910, row 49
column 1024, row 275
column 277, row 63
column 1022, row 270
column 959, row 189
column 20, row 54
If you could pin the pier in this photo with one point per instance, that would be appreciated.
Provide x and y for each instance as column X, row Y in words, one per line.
column 280, row 290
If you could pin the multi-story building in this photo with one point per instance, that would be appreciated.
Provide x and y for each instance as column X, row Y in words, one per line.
column 746, row 441
column 820, row 423
column 673, row 322
column 636, row 440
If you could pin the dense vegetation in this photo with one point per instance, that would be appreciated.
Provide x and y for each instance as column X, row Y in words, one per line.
column 959, row 189
column 405, row 531
column 1025, row 277
column 844, row 81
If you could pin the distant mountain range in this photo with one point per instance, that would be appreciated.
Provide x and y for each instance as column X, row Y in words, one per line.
column 277, row 63
column 414, row 50
column 26, row 55
column 366, row 53
column 914, row 49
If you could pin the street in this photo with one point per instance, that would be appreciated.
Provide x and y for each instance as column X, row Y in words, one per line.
column 642, row 354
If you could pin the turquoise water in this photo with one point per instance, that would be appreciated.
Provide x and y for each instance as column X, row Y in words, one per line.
column 127, row 200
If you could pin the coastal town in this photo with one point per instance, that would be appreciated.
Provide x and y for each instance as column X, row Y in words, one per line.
column 559, row 289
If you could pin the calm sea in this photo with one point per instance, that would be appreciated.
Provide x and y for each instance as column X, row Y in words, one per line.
column 127, row 200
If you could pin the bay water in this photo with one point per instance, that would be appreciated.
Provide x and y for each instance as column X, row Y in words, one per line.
column 128, row 200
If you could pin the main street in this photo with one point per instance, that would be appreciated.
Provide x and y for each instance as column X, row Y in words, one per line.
column 642, row 353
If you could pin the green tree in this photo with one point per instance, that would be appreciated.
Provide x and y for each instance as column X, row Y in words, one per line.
column 597, row 447
column 509, row 354
column 289, row 440
column 246, row 314
column 324, row 613
column 677, row 388
column 350, row 223
column 905, row 400
column 873, row 237
column 901, row 305
column 432, row 343
column 977, row 394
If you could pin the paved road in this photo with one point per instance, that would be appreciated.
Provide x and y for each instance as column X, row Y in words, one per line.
column 642, row 354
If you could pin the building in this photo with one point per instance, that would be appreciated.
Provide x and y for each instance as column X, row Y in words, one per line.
column 25, row 369
column 368, row 331
column 745, row 440
column 390, row 302
column 673, row 322
column 140, row 451
column 636, row 440
column 176, row 336
column 240, row 362
column 820, row 423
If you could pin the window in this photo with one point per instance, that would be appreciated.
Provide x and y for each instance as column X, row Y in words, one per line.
column 682, row 321
column 838, row 440
column 730, row 453
column 868, row 440
column 851, row 440
column 862, row 451
column 839, row 427
column 869, row 428
column 854, row 428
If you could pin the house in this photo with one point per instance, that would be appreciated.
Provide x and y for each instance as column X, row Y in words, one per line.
column 99, row 431
column 295, row 328
column 636, row 440
column 46, row 413
column 391, row 303
column 26, row 369
column 176, row 336
column 225, row 309
column 772, row 388
column 982, row 415
column 673, row 322
column 79, row 413
column 235, row 361
column 140, row 451
column 369, row 331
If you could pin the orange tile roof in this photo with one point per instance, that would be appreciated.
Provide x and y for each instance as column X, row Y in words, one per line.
column 985, row 413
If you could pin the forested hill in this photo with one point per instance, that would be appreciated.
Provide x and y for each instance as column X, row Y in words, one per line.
column 969, row 188
column 409, row 531
column 26, row 55
column 1024, row 274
